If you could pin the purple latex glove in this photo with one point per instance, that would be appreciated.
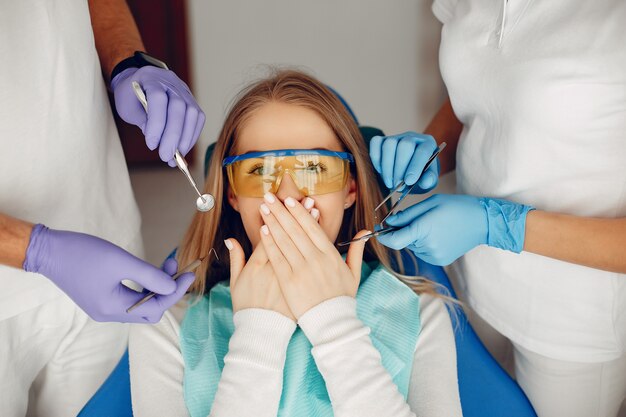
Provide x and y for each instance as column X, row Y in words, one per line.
column 174, row 120
column 90, row 270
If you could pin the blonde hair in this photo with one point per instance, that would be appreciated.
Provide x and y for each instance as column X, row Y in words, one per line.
column 208, row 230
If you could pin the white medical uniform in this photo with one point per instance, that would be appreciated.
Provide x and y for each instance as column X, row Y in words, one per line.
column 63, row 166
column 540, row 87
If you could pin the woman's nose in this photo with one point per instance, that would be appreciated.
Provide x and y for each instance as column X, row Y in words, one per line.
column 288, row 188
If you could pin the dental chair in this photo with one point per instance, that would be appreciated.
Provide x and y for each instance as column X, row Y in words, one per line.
column 486, row 390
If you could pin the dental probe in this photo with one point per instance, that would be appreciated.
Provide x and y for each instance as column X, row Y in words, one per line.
column 186, row 269
column 205, row 202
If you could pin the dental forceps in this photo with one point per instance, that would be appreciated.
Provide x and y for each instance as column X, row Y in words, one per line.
column 407, row 191
column 205, row 202
column 186, row 269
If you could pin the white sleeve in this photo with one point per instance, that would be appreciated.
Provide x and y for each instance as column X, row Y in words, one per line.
column 251, row 381
column 156, row 369
column 434, row 387
column 252, row 378
column 357, row 382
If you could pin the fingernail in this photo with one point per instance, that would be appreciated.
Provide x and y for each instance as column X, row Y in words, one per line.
column 364, row 241
column 429, row 181
column 410, row 179
column 269, row 197
column 290, row 202
column 265, row 209
column 152, row 143
column 228, row 244
column 265, row 230
column 308, row 203
column 315, row 213
column 391, row 219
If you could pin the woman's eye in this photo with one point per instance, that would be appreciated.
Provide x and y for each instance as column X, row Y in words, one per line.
column 316, row 167
column 257, row 170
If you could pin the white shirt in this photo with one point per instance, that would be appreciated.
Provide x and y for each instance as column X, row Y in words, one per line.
column 62, row 162
column 543, row 101
column 356, row 381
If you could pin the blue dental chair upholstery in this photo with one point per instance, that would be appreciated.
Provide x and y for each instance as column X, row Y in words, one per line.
column 486, row 390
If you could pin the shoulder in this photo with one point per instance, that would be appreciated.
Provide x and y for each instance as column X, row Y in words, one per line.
column 433, row 308
column 444, row 9
column 166, row 331
column 157, row 365
column 435, row 324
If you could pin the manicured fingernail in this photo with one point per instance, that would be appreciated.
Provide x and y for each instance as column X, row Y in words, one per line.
column 269, row 197
column 228, row 244
column 265, row 209
column 315, row 213
column 367, row 232
column 308, row 203
column 265, row 230
column 290, row 202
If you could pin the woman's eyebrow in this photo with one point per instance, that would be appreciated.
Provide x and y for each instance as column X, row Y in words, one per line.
column 312, row 149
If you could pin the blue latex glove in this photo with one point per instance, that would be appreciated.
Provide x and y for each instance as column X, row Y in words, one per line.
column 403, row 157
column 90, row 270
column 444, row 227
column 174, row 120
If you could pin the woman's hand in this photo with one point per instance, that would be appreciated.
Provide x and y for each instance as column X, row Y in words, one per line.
column 309, row 268
column 254, row 284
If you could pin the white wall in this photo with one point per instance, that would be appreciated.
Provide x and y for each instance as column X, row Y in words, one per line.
column 380, row 55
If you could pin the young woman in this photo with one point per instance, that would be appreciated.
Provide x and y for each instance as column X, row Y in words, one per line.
column 297, row 330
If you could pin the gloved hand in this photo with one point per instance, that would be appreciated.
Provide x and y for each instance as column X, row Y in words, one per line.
column 403, row 157
column 444, row 227
column 174, row 120
column 90, row 270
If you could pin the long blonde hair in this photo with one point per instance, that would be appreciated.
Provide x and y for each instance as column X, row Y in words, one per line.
column 208, row 230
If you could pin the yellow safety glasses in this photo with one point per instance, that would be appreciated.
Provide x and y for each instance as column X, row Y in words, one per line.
column 313, row 171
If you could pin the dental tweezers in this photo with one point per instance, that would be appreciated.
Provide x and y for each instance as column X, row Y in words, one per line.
column 407, row 191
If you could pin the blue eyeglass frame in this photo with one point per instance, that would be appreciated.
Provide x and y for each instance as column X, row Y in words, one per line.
column 288, row 152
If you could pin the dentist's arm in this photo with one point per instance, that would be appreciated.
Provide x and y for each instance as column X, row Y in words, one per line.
column 174, row 120
column 90, row 270
column 14, row 236
column 597, row 243
column 115, row 33
column 444, row 227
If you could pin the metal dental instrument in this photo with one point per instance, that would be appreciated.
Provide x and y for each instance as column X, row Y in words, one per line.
column 205, row 202
column 409, row 189
column 369, row 235
column 406, row 192
column 186, row 269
